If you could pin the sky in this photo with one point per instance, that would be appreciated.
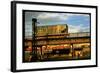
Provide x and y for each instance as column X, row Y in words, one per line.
column 76, row 22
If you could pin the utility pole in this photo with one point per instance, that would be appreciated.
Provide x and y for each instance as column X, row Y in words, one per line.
column 34, row 46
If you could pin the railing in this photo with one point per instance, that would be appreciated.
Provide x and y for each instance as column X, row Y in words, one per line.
column 81, row 34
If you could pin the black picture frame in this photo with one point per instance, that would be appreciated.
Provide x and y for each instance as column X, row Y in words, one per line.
column 14, row 35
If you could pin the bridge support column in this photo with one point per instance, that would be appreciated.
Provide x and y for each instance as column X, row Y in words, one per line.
column 72, row 50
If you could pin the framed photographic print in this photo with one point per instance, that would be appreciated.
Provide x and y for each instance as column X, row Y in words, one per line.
column 47, row 36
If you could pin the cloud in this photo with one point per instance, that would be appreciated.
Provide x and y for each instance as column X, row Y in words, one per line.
column 45, row 18
column 49, row 18
column 79, row 28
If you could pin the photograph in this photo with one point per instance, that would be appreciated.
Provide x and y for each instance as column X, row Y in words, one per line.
column 48, row 36
column 56, row 36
